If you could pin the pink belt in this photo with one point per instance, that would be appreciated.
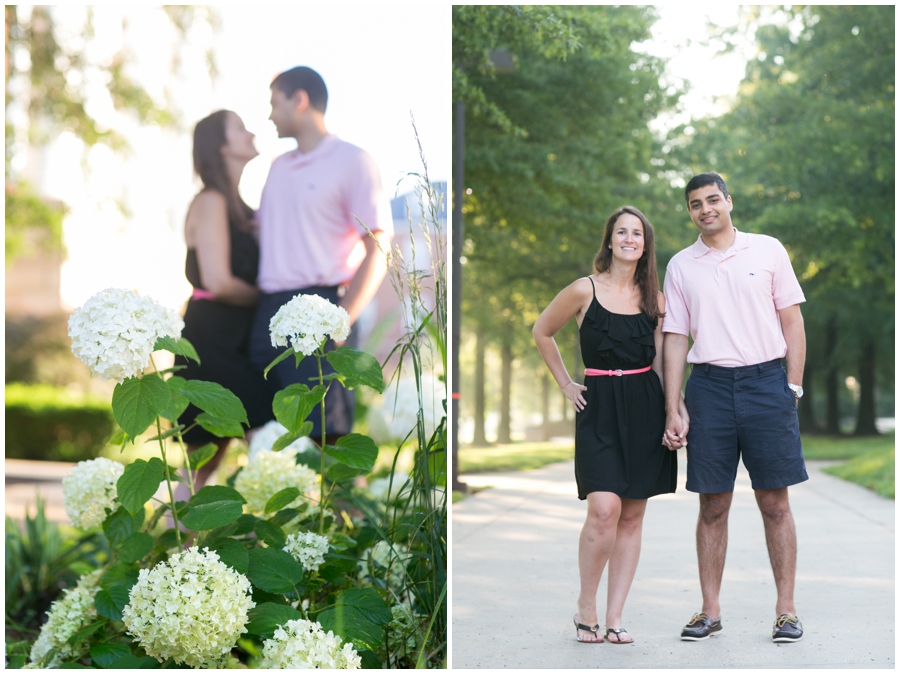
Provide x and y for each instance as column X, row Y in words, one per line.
column 200, row 294
column 591, row 372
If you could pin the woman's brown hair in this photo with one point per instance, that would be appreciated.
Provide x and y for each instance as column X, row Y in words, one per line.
column 209, row 139
column 645, row 275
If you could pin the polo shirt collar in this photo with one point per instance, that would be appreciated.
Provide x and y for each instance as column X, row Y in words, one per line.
column 325, row 147
column 741, row 241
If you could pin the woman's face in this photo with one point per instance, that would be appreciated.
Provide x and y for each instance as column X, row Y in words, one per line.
column 627, row 238
column 238, row 141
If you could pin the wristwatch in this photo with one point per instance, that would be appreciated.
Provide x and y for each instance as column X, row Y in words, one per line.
column 797, row 390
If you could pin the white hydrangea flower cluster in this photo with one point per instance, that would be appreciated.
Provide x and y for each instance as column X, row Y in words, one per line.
column 266, row 436
column 89, row 490
column 306, row 321
column 268, row 473
column 307, row 548
column 301, row 644
column 192, row 608
column 386, row 562
column 72, row 612
column 115, row 331
column 396, row 416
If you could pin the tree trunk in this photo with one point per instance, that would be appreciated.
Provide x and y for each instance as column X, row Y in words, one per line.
column 832, row 391
column 479, row 439
column 545, row 407
column 503, row 434
column 865, row 419
column 805, row 410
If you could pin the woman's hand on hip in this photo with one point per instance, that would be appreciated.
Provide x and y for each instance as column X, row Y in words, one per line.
column 572, row 391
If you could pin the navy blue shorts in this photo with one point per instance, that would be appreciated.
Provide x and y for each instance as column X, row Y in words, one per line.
column 742, row 412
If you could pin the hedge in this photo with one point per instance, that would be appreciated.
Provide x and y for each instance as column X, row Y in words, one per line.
column 54, row 424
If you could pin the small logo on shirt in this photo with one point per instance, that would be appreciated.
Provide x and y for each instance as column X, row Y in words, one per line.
column 752, row 273
column 312, row 186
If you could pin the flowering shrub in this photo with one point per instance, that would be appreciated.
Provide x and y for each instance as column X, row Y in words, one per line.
column 66, row 617
column 191, row 608
column 265, row 438
column 395, row 418
column 89, row 491
column 268, row 473
column 301, row 644
column 307, row 321
column 116, row 330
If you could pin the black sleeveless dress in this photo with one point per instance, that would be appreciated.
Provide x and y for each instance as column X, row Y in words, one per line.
column 219, row 333
column 618, row 434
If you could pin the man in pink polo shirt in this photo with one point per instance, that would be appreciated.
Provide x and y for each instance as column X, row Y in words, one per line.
column 317, row 208
column 738, row 298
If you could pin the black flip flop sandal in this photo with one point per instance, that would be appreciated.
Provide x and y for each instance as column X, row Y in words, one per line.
column 594, row 630
column 617, row 631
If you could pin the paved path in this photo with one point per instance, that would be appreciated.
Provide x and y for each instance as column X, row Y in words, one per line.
column 515, row 579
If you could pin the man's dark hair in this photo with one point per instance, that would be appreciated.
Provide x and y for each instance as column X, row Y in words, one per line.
column 301, row 77
column 704, row 179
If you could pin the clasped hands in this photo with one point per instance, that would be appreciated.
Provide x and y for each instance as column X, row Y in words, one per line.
column 675, row 435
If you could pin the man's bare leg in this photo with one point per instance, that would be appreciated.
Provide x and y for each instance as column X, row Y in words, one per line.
column 712, row 543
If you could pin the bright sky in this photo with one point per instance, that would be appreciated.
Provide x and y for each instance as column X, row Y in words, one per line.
column 380, row 63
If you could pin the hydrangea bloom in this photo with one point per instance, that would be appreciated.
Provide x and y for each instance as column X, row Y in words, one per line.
column 192, row 608
column 266, row 436
column 306, row 321
column 396, row 416
column 115, row 331
column 307, row 548
column 268, row 474
column 385, row 562
column 89, row 490
column 72, row 612
column 301, row 644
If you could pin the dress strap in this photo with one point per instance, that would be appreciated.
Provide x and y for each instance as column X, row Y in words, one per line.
column 593, row 290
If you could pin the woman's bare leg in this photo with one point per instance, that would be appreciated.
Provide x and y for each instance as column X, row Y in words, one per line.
column 598, row 538
column 623, row 562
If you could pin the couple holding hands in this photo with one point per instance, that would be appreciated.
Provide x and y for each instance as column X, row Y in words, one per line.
column 737, row 296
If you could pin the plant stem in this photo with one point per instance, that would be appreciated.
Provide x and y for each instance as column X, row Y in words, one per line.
column 322, row 465
column 162, row 450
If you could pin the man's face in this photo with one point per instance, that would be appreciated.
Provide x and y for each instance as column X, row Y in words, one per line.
column 710, row 210
column 284, row 114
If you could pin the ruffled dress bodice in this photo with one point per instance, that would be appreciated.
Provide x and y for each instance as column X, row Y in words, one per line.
column 617, row 341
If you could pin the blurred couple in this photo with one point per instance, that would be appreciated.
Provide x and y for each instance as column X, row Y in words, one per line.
column 304, row 239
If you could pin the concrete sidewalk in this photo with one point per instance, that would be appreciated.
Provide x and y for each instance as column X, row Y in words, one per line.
column 515, row 579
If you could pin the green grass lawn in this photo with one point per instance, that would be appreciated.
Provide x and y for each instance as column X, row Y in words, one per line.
column 868, row 461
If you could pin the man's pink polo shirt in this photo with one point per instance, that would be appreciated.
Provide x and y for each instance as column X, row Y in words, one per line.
column 729, row 302
column 308, row 229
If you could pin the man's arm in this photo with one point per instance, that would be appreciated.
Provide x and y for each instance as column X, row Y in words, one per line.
column 675, row 350
column 795, row 336
column 368, row 277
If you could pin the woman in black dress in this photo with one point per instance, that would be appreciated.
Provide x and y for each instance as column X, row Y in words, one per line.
column 620, row 458
column 222, row 264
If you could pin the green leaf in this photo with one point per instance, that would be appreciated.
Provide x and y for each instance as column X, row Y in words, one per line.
column 106, row 654
column 293, row 405
column 139, row 483
column 367, row 601
column 341, row 541
column 177, row 402
column 284, row 355
column 282, row 499
column 208, row 516
column 121, row 524
column 107, row 606
column 134, row 662
column 221, row 427
column 181, row 347
column 357, row 367
column 232, row 552
column 213, row 493
column 290, row 438
column 85, row 632
column 266, row 618
column 200, row 457
column 282, row 517
column 137, row 401
column 274, row 570
column 338, row 472
column 244, row 524
column 354, row 450
column 167, row 539
column 215, row 399
column 270, row 534
column 352, row 625
column 165, row 435
column 136, row 547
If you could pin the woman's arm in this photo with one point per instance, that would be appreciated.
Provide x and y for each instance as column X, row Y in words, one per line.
column 565, row 306
column 657, row 364
column 206, row 229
